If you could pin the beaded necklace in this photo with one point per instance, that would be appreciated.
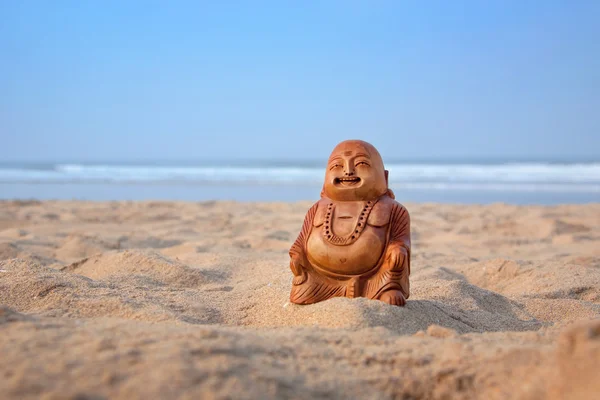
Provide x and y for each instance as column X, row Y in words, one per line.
column 353, row 236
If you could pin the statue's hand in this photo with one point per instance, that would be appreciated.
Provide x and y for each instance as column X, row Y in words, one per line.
column 297, row 270
column 396, row 256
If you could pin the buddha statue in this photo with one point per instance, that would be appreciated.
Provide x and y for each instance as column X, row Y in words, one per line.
column 355, row 241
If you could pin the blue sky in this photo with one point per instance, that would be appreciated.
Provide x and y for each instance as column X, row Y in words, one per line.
column 135, row 80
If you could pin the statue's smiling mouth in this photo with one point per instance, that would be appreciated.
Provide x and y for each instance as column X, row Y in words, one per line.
column 347, row 181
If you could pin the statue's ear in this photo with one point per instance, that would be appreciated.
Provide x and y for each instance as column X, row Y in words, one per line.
column 389, row 191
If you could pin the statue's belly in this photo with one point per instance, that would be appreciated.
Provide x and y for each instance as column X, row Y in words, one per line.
column 354, row 259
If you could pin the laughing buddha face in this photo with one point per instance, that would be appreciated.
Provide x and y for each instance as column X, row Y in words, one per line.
column 355, row 172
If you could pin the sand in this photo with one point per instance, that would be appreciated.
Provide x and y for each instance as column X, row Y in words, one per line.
column 128, row 300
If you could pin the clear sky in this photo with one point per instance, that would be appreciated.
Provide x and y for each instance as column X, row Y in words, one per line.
column 121, row 80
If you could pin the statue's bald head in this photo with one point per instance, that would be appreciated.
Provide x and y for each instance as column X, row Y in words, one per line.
column 350, row 147
column 355, row 171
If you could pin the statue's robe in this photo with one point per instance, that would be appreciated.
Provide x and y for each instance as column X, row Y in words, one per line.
column 383, row 244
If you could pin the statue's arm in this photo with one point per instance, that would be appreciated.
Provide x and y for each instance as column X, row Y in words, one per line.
column 399, row 244
column 297, row 252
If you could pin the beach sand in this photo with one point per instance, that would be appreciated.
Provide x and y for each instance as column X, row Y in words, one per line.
column 148, row 300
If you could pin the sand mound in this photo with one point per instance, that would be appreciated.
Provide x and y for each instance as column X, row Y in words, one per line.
column 559, row 311
column 553, row 279
column 418, row 315
column 32, row 288
column 8, row 250
column 452, row 303
column 79, row 246
column 134, row 263
column 138, row 360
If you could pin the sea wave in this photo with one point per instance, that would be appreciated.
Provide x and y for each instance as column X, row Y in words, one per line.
column 510, row 176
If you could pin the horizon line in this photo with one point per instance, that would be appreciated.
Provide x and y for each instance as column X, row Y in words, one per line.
column 287, row 160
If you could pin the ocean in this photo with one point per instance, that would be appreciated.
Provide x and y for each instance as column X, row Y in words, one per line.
column 482, row 181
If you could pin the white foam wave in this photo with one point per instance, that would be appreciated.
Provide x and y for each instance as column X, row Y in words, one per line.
column 516, row 176
column 520, row 172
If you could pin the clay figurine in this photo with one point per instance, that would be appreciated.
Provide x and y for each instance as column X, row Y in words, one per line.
column 355, row 241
